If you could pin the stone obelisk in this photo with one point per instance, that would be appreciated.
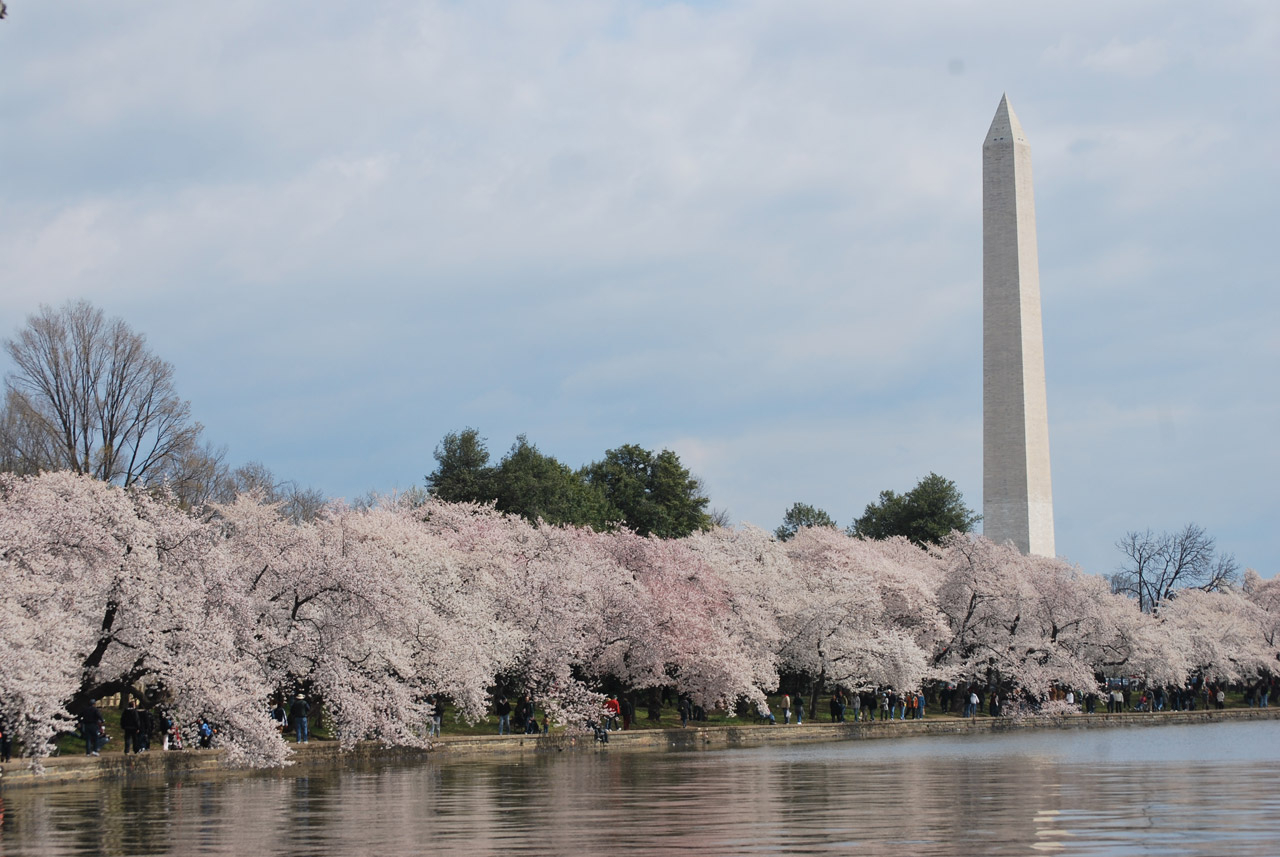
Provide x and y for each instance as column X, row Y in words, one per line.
column 1017, row 495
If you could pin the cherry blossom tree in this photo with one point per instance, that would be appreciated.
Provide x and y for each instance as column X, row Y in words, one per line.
column 1265, row 594
column 1034, row 623
column 1220, row 632
column 858, row 612
column 116, row 585
column 368, row 610
column 374, row 610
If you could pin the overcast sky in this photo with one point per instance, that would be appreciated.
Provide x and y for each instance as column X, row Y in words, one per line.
column 748, row 232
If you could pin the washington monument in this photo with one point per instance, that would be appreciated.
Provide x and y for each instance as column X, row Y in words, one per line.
column 1017, row 495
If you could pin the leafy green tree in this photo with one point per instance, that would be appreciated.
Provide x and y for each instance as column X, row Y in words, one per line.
column 654, row 494
column 462, row 471
column 802, row 515
column 534, row 485
column 926, row 514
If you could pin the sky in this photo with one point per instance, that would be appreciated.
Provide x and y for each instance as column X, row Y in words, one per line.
column 747, row 232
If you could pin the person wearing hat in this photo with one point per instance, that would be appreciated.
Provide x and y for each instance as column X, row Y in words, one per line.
column 298, row 713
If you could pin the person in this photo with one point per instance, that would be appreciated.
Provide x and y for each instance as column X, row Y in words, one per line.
column 612, row 711
column 299, row 711
column 765, row 715
column 628, row 712
column 800, row 708
column 994, row 708
column 6, row 741
column 91, row 728
column 530, row 719
column 1071, row 698
column 685, row 706
column 502, row 708
column 437, row 716
column 855, row 702
column 165, row 722
column 1221, row 698
column 971, row 710
column 524, row 711
column 147, row 725
column 174, row 737
column 131, row 723
column 786, row 709
column 205, row 730
column 884, row 705
column 280, row 716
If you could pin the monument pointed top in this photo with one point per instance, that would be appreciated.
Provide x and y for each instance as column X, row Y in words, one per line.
column 1005, row 126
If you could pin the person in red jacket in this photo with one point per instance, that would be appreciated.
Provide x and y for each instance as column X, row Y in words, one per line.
column 612, row 709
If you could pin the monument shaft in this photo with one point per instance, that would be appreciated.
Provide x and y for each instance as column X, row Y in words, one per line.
column 1017, row 494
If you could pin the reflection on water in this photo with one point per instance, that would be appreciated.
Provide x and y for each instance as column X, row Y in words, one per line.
column 1210, row 789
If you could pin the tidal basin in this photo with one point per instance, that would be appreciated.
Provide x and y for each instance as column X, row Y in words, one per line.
column 1184, row 789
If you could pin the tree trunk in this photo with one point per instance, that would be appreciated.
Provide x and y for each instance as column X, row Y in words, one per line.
column 654, row 704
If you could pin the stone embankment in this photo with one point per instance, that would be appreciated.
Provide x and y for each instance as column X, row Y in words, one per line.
column 201, row 763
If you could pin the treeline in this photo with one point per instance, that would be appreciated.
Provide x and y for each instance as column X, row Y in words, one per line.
column 373, row 610
column 87, row 395
column 646, row 492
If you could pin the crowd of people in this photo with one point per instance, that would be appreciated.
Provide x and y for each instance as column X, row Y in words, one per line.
column 887, row 704
column 142, row 723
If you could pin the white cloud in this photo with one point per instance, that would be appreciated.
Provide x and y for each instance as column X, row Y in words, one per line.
column 748, row 230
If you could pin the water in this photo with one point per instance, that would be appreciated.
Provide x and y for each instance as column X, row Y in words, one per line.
column 1204, row 789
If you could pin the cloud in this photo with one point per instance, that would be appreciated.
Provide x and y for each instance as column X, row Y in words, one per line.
column 750, row 231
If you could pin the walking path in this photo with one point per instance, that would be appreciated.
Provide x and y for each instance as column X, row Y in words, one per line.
column 183, row 763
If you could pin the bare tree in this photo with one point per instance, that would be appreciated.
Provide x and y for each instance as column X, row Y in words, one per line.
column 23, row 448
column 200, row 476
column 1159, row 565
column 296, row 503
column 87, row 395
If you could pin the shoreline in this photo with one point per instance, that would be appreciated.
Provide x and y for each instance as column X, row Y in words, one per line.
column 184, row 764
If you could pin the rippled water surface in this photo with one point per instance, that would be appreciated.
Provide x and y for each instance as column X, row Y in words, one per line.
column 1204, row 789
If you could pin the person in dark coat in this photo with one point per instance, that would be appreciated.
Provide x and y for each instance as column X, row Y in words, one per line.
column 525, row 715
column 148, row 719
column 279, row 716
column 91, row 728
column 502, row 708
column 628, row 711
column 131, row 723
column 6, row 740
column 299, row 711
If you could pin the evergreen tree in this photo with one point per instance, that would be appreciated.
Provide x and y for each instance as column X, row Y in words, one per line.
column 802, row 515
column 926, row 514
